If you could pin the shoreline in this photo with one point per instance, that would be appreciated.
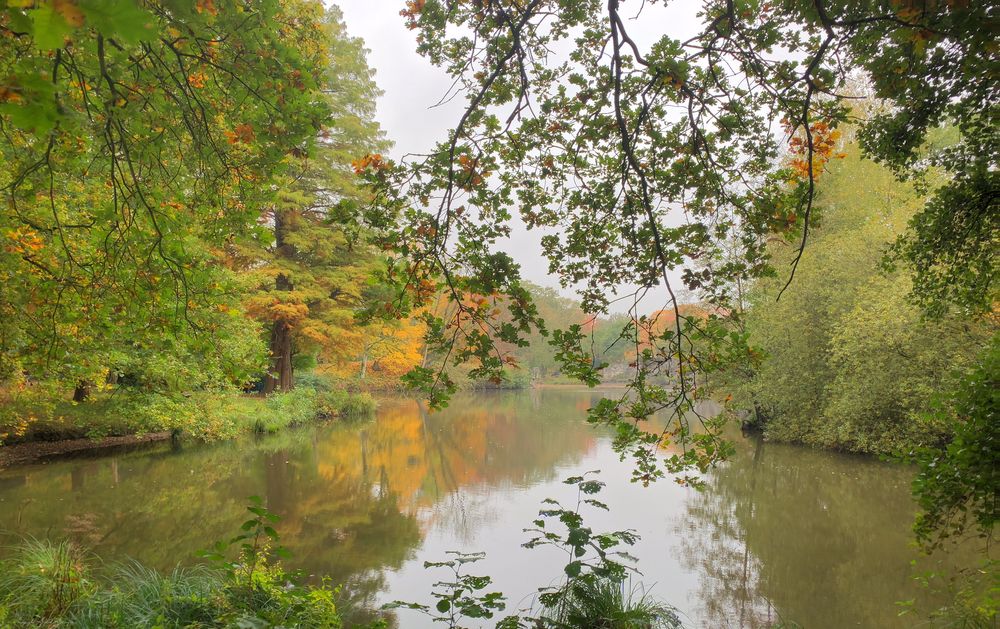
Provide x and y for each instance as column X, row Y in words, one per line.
column 37, row 451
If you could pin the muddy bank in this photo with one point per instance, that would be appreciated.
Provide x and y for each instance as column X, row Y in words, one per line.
column 35, row 451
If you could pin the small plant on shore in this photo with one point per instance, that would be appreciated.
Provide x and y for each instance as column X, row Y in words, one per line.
column 604, row 603
column 594, row 593
column 344, row 404
column 259, row 588
column 142, row 597
column 460, row 597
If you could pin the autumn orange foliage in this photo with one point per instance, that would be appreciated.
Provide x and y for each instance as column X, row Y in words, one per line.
column 824, row 141
column 374, row 161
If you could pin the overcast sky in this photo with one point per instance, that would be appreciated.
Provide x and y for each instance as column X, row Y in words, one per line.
column 411, row 86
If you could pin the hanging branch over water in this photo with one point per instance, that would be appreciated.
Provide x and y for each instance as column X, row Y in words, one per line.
column 646, row 159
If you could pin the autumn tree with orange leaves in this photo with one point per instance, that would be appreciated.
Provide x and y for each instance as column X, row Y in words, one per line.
column 139, row 140
column 313, row 255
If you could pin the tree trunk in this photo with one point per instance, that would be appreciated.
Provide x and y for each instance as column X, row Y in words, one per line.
column 280, row 377
column 82, row 391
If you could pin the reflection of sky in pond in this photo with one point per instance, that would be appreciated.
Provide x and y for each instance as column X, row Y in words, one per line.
column 783, row 532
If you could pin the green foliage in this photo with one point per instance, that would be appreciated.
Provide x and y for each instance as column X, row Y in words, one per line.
column 459, row 598
column 975, row 596
column 259, row 589
column 41, row 582
column 958, row 485
column 51, row 585
column 161, row 123
column 207, row 415
column 142, row 597
column 612, row 604
column 309, row 269
column 347, row 405
column 576, row 362
column 848, row 361
column 204, row 415
column 642, row 158
column 286, row 409
column 593, row 556
column 592, row 594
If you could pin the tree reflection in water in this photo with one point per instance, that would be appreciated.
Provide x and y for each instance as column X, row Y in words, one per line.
column 782, row 532
column 355, row 499
column 796, row 533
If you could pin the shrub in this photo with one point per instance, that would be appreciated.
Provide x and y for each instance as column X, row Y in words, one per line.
column 611, row 604
column 344, row 404
column 142, row 597
column 283, row 410
column 48, row 584
column 41, row 582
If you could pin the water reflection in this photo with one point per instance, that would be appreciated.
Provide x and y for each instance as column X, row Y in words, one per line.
column 349, row 496
column 806, row 536
column 783, row 532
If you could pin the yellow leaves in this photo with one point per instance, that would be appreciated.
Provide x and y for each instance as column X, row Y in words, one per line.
column 412, row 12
column 24, row 240
column 472, row 177
column 822, row 141
column 316, row 334
column 289, row 313
column 670, row 80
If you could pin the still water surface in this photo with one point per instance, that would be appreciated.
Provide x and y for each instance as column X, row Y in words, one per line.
column 782, row 533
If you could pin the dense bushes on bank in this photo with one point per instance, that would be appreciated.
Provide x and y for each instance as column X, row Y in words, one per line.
column 34, row 415
column 847, row 359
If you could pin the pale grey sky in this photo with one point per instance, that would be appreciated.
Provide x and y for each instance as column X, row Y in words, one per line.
column 411, row 86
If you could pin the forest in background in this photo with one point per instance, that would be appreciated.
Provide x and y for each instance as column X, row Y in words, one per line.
column 197, row 207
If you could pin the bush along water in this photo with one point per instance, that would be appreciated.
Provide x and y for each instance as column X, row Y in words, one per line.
column 206, row 415
column 54, row 585
column 595, row 592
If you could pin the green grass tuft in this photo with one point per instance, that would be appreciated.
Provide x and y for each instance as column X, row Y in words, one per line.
column 610, row 604
column 41, row 581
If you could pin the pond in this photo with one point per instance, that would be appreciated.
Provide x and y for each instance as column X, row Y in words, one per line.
column 782, row 533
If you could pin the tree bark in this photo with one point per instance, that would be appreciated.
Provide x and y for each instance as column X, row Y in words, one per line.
column 82, row 391
column 280, row 377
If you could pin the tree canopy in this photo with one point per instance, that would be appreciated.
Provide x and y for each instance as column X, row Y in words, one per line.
column 173, row 167
column 684, row 153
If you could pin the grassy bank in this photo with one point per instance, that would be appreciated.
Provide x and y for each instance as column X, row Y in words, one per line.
column 37, row 415
column 47, row 585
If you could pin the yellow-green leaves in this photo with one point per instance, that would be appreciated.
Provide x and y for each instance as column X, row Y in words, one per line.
column 123, row 20
column 53, row 23
column 48, row 28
